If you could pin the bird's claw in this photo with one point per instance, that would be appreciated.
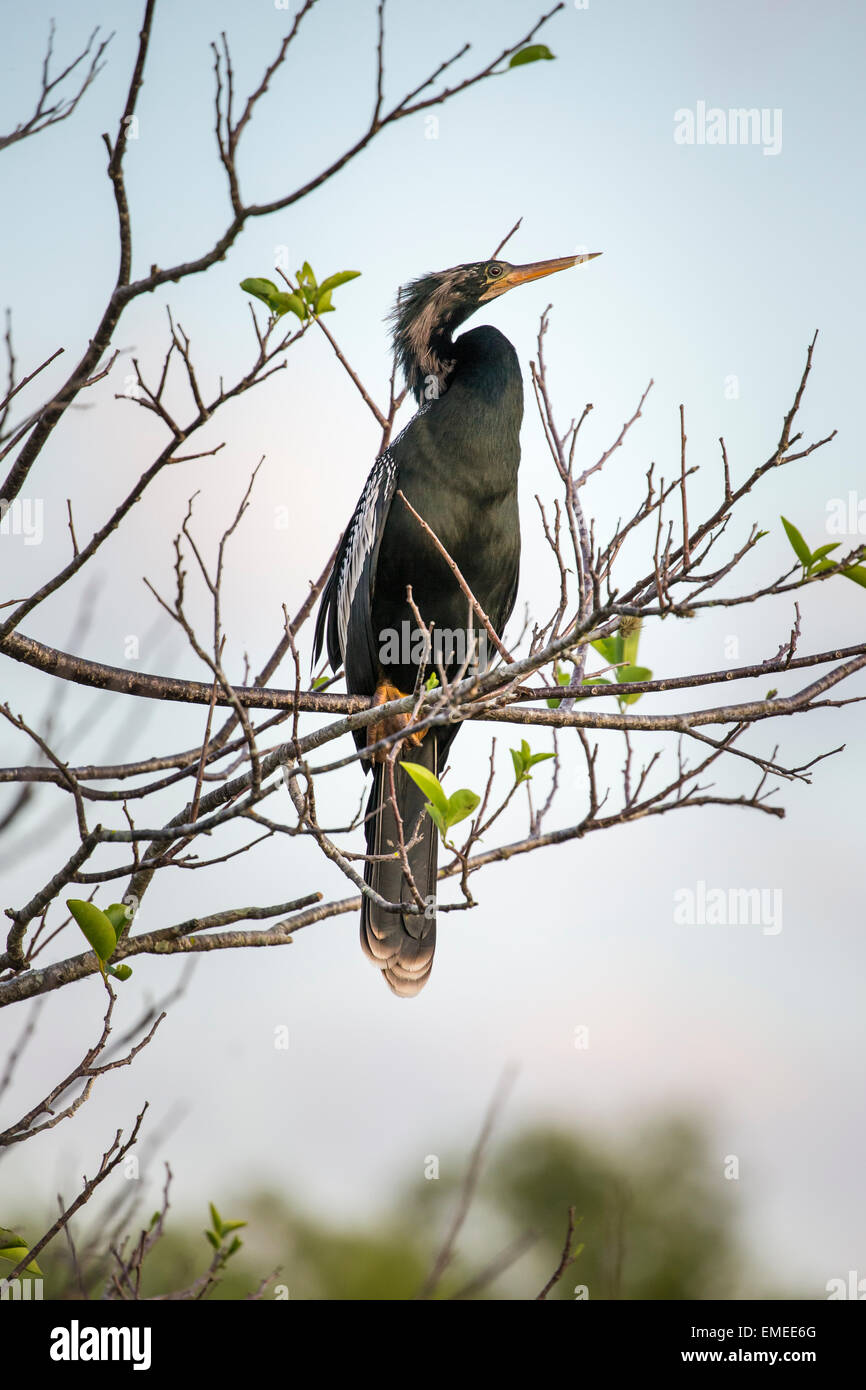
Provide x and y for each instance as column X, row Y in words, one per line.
column 392, row 724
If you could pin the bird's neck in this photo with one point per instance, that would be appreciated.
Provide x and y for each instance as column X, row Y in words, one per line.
column 423, row 340
column 428, row 361
column 470, row 442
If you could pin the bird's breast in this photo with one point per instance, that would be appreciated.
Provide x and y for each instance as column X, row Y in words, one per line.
column 457, row 465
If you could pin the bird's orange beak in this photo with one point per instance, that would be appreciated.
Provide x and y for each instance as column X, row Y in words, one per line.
column 522, row 274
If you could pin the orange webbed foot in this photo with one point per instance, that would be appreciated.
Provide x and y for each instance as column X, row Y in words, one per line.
column 382, row 728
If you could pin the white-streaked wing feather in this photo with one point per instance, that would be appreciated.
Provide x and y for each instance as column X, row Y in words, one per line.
column 364, row 528
column 361, row 539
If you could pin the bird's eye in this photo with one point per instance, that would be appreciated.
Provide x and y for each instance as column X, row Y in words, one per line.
column 494, row 270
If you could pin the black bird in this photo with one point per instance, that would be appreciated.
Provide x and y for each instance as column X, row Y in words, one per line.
column 456, row 463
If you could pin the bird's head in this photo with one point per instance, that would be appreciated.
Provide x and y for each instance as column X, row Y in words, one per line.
column 431, row 308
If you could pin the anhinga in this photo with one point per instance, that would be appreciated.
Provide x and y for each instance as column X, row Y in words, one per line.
column 456, row 463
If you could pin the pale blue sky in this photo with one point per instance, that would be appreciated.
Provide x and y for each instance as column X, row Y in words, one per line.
column 718, row 261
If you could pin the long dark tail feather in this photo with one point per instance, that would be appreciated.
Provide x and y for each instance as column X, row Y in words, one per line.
column 401, row 945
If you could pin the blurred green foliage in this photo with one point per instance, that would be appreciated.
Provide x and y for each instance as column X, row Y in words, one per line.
column 656, row 1219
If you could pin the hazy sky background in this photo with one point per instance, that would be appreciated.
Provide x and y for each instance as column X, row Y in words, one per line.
column 718, row 262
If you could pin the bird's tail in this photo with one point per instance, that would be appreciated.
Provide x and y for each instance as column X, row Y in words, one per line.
column 401, row 944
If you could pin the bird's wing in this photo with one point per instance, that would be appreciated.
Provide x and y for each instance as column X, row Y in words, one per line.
column 346, row 608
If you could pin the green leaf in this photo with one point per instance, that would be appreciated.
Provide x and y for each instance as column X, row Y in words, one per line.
column 630, row 643
column 235, row 1245
column 857, row 573
column 120, row 972
column 799, row 546
column 341, row 278
column 437, row 818
column 523, row 759
column 306, row 278
column 432, row 681
column 262, row 289
column 14, row 1247
column 285, row 303
column 562, row 678
column 95, row 925
column 15, row 1254
column 118, row 915
column 232, row 1226
column 632, row 673
column 610, row 648
column 214, row 1240
column 824, row 550
column 215, row 1218
column 429, row 784
column 323, row 303
column 539, row 758
column 320, row 681
column 532, row 54
column 278, row 301
column 460, row 805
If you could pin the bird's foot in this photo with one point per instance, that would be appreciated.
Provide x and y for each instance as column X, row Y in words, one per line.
column 382, row 728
